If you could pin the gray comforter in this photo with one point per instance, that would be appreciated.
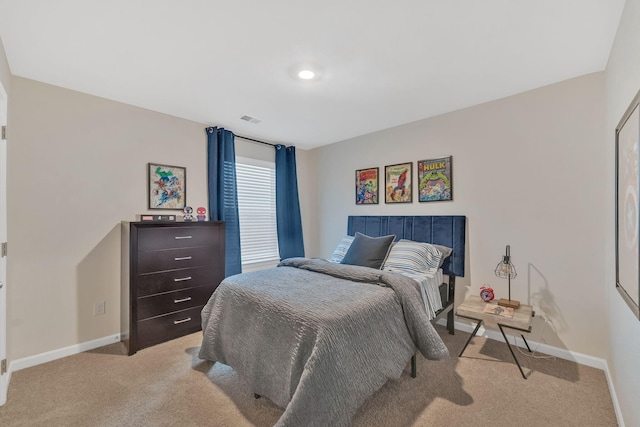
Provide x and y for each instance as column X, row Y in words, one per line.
column 317, row 338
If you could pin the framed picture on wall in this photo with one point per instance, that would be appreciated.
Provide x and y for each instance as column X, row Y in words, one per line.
column 167, row 186
column 627, row 207
column 434, row 180
column 398, row 182
column 367, row 186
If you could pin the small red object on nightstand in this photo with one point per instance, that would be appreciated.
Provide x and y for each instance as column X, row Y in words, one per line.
column 486, row 293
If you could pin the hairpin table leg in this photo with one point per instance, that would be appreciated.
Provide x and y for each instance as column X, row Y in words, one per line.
column 473, row 334
column 511, row 350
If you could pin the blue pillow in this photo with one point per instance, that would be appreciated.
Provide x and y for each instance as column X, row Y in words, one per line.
column 368, row 251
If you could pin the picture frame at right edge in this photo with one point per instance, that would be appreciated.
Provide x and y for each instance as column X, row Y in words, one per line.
column 435, row 183
column 627, row 140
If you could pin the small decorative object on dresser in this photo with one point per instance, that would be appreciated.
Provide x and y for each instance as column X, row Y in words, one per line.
column 169, row 271
column 156, row 218
column 202, row 214
column 187, row 214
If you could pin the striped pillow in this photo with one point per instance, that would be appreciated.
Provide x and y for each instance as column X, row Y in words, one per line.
column 341, row 249
column 410, row 256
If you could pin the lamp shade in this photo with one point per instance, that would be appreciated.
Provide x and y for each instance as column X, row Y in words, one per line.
column 506, row 270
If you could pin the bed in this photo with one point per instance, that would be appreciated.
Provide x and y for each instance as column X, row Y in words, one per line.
column 317, row 338
column 448, row 231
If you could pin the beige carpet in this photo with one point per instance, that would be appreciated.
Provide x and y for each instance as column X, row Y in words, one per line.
column 167, row 385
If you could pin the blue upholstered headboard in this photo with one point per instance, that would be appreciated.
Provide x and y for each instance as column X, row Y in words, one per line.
column 442, row 230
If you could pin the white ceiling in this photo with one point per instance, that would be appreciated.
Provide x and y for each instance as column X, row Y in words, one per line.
column 382, row 63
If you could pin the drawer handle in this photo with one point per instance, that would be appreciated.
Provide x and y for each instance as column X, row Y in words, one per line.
column 182, row 258
column 176, row 301
column 182, row 279
column 177, row 322
column 182, row 237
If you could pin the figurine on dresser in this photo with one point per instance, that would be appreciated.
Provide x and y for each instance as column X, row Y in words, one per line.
column 187, row 214
column 201, row 214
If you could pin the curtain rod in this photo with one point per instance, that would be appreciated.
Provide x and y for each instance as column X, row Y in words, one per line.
column 255, row 140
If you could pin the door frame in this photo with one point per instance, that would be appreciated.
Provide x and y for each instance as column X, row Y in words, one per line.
column 4, row 378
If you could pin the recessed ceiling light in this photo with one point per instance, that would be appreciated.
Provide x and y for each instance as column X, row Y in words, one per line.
column 306, row 74
column 306, row 71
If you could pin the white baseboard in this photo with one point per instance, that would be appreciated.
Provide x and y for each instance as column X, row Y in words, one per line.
column 49, row 356
column 4, row 384
column 561, row 353
column 52, row 355
column 614, row 396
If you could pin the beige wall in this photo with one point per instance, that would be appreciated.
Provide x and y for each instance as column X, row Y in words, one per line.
column 76, row 169
column 623, row 82
column 307, row 181
column 526, row 172
column 5, row 73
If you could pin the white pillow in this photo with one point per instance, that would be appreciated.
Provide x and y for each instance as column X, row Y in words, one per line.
column 341, row 249
column 410, row 256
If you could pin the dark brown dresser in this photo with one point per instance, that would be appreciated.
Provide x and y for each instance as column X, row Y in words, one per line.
column 169, row 271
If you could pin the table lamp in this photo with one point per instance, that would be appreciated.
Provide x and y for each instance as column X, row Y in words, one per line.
column 506, row 270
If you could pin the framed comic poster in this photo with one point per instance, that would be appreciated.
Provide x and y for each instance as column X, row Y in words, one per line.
column 627, row 207
column 398, row 182
column 367, row 186
column 434, row 180
column 167, row 186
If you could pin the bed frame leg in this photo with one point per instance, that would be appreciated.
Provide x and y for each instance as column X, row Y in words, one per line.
column 450, row 326
column 451, row 300
column 413, row 366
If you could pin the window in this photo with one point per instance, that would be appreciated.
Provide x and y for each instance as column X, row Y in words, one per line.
column 256, row 184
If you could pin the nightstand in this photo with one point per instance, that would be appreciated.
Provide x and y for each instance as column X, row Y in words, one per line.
column 473, row 308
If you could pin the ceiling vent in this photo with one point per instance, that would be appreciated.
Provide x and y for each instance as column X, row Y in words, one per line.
column 250, row 119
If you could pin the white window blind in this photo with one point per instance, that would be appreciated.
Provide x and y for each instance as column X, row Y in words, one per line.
column 256, row 184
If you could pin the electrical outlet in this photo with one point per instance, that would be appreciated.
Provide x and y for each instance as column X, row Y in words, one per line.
column 100, row 308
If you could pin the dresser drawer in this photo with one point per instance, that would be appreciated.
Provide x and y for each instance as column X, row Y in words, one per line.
column 163, row 328
column 174, row 280
column 174, row 259
column 159, row 304
column 177, row 237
